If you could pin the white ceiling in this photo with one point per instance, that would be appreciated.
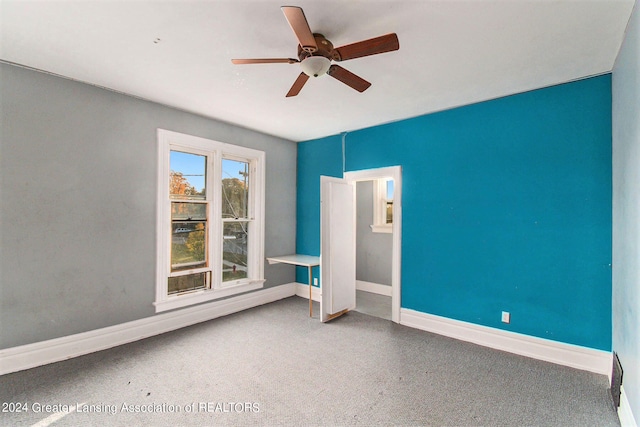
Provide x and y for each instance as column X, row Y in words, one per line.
column 451, row 53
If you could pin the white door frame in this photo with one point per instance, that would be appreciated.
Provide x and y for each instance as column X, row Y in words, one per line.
column 394, row 172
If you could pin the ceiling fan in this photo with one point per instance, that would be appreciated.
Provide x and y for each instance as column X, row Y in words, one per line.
column 315, row 53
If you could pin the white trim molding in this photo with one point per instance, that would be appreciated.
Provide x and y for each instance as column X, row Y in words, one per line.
column 380, row 201
column 385, row 228
column 41, row 353
column 208, row 266
column 374, row 288
column 624, row 411
column 206, row 295
column 574, row 356
column 302, row 290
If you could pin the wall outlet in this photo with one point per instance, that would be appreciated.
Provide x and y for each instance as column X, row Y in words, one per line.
column 506, row 317
column 315, row 281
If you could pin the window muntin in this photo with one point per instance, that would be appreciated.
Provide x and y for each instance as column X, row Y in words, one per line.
column 210, row 221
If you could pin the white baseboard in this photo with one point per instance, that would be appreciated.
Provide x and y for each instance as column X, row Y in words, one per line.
column 624, row 411
column 302, row 290
column 41, row 353
column 375, row 288
column 578, row 357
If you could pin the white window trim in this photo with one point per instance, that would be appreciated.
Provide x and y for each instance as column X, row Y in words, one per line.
column 380, row 207
column 384, row 228
column 215, row 151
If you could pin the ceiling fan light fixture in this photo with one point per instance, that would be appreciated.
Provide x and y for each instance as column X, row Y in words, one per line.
column 315, row 66
column 316, row 53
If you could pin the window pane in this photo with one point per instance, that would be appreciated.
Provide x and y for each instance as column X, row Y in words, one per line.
column 390, row 189
column 190, row 282
column 234, row 251
column 188, row 245
column 188, row 235
column 389, row 212
column 185, row 211
column 187, row 175
column 235, row 189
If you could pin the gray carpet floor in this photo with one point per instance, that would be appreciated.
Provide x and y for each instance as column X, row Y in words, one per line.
column 273, row 365
column 373, row 304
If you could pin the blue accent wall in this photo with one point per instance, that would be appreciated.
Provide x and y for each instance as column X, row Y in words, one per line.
column 506, row 207
column 315, row 158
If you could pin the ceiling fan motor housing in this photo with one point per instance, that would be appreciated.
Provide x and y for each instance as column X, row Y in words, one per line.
column 317, row 63
column 325, row 48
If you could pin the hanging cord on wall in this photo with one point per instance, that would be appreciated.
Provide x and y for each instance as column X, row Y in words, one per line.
column 344, row 155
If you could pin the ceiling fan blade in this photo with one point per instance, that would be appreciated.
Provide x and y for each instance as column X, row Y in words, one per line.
column 348, row 78
column 300, row 26
column 382, row 44
column 265, row 61
column 297, row 85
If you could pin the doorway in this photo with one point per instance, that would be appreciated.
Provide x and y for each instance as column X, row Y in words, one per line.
column 374, row 219
column 375, row 298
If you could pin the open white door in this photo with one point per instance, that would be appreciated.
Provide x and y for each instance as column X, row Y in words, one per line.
column 337, row 247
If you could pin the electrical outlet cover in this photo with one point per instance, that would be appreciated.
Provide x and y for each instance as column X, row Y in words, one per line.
column 506, row 317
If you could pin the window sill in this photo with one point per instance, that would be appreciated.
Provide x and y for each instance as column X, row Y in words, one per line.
column 386, row 228
column 178, row 301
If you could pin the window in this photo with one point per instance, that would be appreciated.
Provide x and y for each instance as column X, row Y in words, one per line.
column 382, row 205
column 210, row 220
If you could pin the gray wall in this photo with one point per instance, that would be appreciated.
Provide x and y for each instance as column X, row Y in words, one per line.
column 78, row 203
column 626, row 211
column 373, row 250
